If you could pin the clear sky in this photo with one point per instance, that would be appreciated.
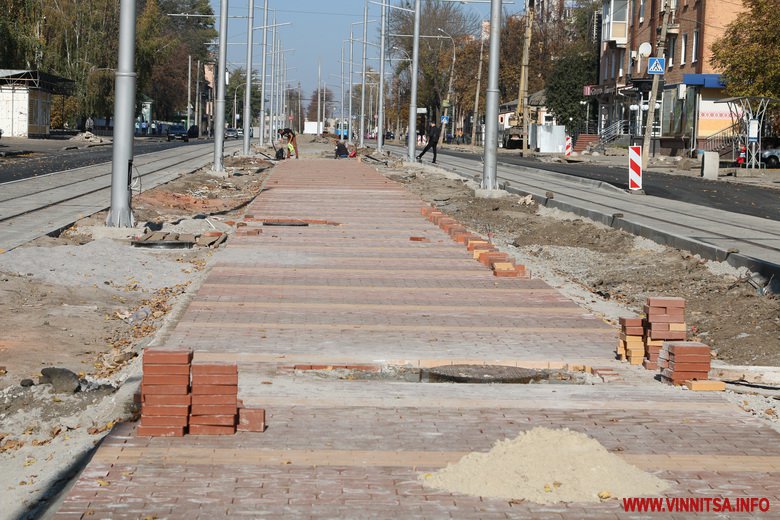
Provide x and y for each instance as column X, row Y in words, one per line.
column 317, row 30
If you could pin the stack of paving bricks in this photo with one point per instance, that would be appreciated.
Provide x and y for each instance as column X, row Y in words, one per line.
column 631, row 345
column 165, row 395
column 684, row 361
column 214, row 399
column 665, row 321
column 485, row 252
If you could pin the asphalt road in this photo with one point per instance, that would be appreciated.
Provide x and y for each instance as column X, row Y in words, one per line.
column 756, row 201
column 44, row 162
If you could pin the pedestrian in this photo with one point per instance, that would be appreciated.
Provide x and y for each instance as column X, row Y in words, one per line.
column 341, row 150
column 291, row 141
column 433, row 140
column 89, row 125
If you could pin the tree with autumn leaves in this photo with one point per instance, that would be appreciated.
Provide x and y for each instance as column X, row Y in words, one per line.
column 748, row 54
column 77, row 40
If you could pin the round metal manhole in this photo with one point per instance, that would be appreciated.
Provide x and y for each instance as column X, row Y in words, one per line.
column 483, row 374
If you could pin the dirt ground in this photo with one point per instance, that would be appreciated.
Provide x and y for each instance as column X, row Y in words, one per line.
column 99, row 301
column 89, row 304
column 723, row 309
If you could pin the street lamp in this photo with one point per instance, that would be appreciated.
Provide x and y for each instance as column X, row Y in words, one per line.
column 449, row 88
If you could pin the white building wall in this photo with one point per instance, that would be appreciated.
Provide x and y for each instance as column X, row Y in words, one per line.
column 14, row 111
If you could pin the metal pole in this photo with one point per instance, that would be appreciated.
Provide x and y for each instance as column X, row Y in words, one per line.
column 476, row 96
column 121, row 214
column 219, row 102
column 197, row 99
column 380, row 137
column 300, row 112
column 189, row 88
column 271, row 90
column 491, row 99
column 351, row 52
column 248, row 94
column 363, row 87
column 341, row 124
column 412, row 137
column 660, row 50
column 449, row 87
column 319, row 98
column 262, row 72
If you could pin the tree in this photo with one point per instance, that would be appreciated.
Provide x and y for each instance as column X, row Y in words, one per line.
column 748, row 53
column 312, row 111
column 564, row 88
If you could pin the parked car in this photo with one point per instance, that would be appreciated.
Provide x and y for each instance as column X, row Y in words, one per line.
column 239, row 132
column 771, row 157
column 389, row 135
column 193, row 131
column 231, row 133
column 177, row 132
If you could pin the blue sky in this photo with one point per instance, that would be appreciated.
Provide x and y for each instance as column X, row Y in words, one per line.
column 317, row 30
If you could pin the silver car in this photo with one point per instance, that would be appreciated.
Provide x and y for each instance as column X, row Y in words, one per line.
column 771, row 157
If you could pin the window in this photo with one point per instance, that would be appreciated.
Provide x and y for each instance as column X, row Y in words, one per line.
column 670, row 49
column 683, row 48
column 621, row 58
column 695, row 46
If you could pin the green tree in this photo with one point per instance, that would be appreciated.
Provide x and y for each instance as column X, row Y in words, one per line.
column 748, row 53
column 564, row 88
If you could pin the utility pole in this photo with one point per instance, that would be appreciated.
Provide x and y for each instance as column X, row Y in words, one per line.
column 522, row 96
column 351, row 53
column 660, row 50
column 341, row 123
column 319, row 98
column 121, row 214
column 479, row 84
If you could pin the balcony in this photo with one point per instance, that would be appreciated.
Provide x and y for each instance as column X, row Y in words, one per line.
column 614, row 27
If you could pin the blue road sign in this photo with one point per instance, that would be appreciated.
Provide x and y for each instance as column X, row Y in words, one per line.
column 656, row 65
column 445, row 120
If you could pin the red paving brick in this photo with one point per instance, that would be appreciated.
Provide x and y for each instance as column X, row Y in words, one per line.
column 362, row 293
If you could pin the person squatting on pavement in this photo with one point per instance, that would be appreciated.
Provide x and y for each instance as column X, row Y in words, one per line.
column 288, row 134
column 341, row 150
column 433, row 141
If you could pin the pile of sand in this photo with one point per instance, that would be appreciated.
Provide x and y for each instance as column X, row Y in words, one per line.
column 546, row 466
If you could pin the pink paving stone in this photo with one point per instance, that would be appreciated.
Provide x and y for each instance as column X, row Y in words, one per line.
column 368, row 265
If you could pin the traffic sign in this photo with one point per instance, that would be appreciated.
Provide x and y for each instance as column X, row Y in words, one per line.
column 634, row 167
column 656, row 65
column 445, row 120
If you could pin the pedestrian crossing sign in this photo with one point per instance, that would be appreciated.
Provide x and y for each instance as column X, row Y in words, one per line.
column 656, row 65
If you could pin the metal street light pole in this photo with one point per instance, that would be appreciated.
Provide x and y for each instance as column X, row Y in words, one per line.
column 189, row 88
column 248, row 94
column 449, row 88
column 262, row 72
column 380, row 138
column 479, row 85
column 271, row 88
column 121, row 214
column 197, row 99
column 412, row 137
column 341, row 123
column 491, row 110
column 363, row 87
column 219, row 102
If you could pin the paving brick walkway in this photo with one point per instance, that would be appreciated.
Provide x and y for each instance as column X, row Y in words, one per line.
column 355, row 290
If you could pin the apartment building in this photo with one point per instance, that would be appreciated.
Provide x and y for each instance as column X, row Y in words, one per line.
column 686, row 109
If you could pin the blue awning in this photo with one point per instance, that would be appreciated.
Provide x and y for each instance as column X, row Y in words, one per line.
column 704, row 80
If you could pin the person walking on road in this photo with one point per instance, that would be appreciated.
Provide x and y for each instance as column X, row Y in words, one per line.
column 288, row 134
column 433, row 140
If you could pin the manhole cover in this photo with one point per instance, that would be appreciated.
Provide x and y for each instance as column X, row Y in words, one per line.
column 483, row 374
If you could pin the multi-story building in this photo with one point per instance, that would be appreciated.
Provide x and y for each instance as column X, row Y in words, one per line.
column 686, row 108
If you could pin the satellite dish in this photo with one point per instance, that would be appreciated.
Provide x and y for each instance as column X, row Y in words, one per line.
column 645, row 49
